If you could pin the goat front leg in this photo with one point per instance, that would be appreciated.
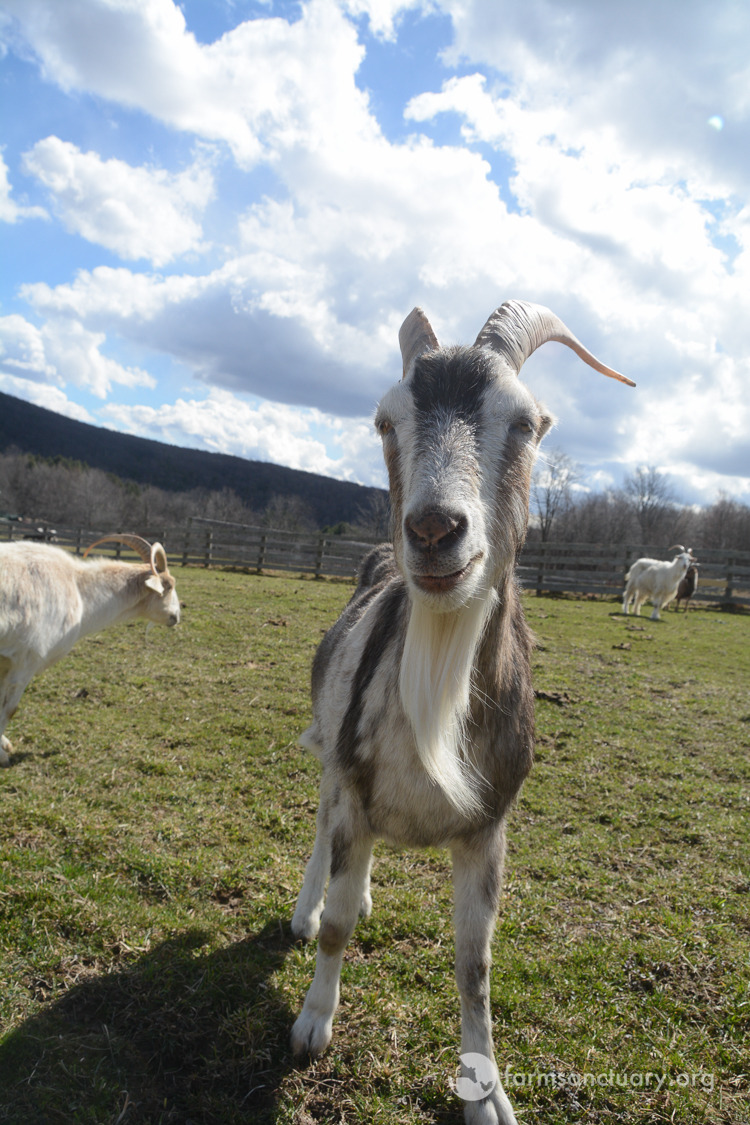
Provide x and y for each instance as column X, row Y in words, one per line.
column 477, row 879
column 351, row 855
column 306, row 918
column 10, row 697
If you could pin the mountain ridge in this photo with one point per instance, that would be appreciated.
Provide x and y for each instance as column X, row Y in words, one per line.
column 42, row 432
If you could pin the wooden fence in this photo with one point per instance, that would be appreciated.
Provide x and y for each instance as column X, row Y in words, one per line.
column 579, row 568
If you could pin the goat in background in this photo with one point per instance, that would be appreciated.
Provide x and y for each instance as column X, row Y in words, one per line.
column 687, row 587
column 422, row 698
column 651, row 578
column 49, row 599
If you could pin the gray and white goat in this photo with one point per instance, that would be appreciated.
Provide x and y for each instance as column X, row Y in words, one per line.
column 422, row 698
column 49, row 599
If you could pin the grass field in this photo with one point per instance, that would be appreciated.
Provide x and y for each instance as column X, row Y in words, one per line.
column 156, row 821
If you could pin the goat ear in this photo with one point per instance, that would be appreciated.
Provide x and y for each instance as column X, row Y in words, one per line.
column 155, row 583
column 546, row 423
column 415, row 338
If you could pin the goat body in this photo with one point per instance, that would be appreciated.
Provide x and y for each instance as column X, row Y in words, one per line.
column 655, row 580
column 687, row 587
column 423, row 709
column 49, row 599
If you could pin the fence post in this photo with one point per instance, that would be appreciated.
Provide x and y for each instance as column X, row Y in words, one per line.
column 319, row 556
column 730, row 579
column 79, row 538
column 261, row 552
column 186, row 543
column 209, row 542
column 540, row 572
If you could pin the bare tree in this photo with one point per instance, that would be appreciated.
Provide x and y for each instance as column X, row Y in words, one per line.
column 288, row 513
column 374, row 516
column 653, row 501
column 551, row 488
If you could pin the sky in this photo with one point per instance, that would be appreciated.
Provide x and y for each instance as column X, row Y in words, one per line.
column 215, row 215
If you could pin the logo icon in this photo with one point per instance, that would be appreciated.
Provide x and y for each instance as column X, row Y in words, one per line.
column 479, row 1079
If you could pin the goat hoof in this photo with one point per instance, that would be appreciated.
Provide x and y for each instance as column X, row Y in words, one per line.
column 305, row 926
column 494, row 1110
column 311, row 1035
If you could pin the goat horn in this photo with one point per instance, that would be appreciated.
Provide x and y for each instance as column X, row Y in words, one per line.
column 678, row 547
column 140, row 546
column 518, row 328
column 415, row 337
column 158, row 559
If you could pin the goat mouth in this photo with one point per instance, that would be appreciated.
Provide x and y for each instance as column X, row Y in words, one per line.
column 444, row 583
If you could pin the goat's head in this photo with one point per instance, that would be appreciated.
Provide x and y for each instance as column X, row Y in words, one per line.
column 161, row 604
column 460, row 434
column 685, row 557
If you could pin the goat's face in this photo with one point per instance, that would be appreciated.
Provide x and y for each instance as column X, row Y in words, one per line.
column 162, row 606
column 459, row 438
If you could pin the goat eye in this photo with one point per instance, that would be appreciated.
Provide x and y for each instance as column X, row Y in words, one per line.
column 524, row 426
column 383, row 427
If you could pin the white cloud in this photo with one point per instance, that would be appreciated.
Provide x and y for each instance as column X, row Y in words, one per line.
column 265, row 431
column 63, row 351
column 135, row 212
column 263, row 85
column 587, row 177
column 40, row 394
column 10, row 210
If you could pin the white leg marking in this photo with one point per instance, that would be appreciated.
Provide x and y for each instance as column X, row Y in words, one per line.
column 311, row 1033
column 477, row 874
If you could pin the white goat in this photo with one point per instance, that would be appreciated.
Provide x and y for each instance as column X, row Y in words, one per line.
column 655, row 579
column 49, row 598
column 422, row 698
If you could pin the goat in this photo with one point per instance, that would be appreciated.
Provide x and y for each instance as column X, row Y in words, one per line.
column 423, row 709
column 656, row 580
column 687, row 587
column 49, row 599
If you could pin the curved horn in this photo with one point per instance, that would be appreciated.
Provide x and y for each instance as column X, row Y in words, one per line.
column 518, row 328
column 415, row 337
column 678, row 547
column 158, row 559
column 139, row 545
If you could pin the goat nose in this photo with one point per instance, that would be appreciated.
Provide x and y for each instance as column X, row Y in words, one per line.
column 434, row 530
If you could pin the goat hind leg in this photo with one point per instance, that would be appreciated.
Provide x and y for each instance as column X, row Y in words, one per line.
column 350, row 868
column 477, row 878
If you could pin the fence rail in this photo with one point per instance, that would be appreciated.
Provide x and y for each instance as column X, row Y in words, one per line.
column 579, row 568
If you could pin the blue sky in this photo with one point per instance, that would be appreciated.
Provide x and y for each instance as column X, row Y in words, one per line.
column 215, row 215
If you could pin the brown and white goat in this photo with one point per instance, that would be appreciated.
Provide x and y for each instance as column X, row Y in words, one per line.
column 422, row 698
column 687, row 587
column 49, row 599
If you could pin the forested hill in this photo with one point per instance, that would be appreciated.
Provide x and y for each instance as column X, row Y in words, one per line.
column 32, row 429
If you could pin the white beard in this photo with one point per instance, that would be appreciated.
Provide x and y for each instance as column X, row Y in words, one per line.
column 435, row 685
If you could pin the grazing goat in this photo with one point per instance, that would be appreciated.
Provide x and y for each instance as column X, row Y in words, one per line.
column 423, row 709
column 687, row 587
column 49, row 598
column 650, row 578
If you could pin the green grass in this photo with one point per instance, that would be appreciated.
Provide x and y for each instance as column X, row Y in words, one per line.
column 156, row 821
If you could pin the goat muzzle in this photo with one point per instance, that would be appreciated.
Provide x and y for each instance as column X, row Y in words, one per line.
column 435, row 531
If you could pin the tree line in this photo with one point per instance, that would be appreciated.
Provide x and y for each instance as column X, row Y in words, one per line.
column 61, row 490
column 645, row 509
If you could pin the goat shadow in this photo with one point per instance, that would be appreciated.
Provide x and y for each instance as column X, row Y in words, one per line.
column 175, row 1037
